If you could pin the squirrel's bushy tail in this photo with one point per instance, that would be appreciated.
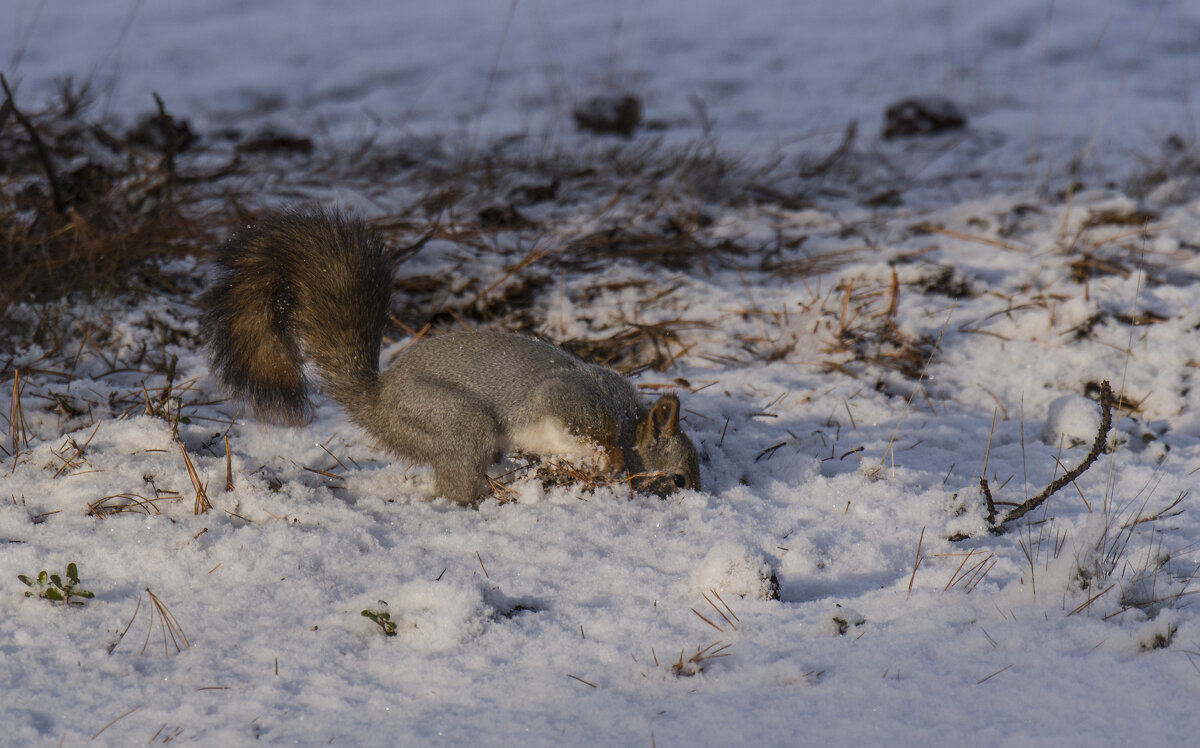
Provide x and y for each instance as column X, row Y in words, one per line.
column 302, row 285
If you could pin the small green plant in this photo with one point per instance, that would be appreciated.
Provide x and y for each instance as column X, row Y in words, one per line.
column 52, row 587
column 382, row 618
column 1160, row 639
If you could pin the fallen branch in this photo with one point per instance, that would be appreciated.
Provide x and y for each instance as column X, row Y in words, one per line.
column 987, row 499
column 1106, row 403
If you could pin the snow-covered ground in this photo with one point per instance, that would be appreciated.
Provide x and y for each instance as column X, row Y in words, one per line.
column 1051, row 87
column 847, row 387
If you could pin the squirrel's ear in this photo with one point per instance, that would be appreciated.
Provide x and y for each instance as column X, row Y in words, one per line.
column 661, row 422
column 664, row 416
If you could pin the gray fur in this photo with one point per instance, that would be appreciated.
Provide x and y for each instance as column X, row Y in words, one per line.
column 314, row 286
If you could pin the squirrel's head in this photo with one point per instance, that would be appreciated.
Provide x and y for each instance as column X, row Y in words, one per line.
column 665, row 458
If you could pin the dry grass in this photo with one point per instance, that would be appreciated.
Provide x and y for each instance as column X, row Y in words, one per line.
column 636, row 347
column 160, row 616
column 84, row 208
column 723, row 611
column 689, row 665
column 123, row 503
column 553, row 474
column 168, row 626
column 1150, row 580
column 201, row 505
column 972, row 570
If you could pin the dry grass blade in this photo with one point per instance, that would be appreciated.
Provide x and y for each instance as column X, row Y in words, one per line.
column 979, row 576
column 228, row 465
column 119, row 503
column 1164, row 513
column 1091, row 600
column 202, row 504
column 323, row 473
column 935, row 229
column 16, row 418
column 167, row 624
column 722, row 600
column 125, row 631
column 114, row 721
column 916, row 563
column 729, row 619
column 954, row 577
column 969, row 576
column 993, row 675
column 817, row 263
column 170, row 735
column 538, row 252
column 710, row 623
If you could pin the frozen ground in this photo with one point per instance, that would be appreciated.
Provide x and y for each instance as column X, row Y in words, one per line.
column 849, row 372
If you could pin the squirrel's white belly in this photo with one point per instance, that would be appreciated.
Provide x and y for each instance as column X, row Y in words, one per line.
column 550, row 438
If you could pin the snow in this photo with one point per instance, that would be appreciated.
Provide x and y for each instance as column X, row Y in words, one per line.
column 821, row 551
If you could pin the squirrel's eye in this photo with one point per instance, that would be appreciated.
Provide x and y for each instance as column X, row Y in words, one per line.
column 680, row 481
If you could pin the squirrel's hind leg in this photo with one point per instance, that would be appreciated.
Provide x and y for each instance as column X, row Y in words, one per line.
column 442, row 428
column 463, row 482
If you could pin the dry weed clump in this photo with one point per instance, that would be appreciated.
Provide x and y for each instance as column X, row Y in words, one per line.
column 84, row 208
column 687, row 666
column 636, row 347
column 511, row 222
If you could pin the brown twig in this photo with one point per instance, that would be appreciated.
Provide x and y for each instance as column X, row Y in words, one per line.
column 1106, row 404
column 228, row 466
column 170, row 137
column 60, row 205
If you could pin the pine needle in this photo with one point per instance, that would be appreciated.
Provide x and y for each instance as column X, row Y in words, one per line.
column 202, row 504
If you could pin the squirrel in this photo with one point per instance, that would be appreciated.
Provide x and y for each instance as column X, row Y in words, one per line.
column 310, row 286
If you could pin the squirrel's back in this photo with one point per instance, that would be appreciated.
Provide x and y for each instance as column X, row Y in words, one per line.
column 507, row 367
column 299, row 286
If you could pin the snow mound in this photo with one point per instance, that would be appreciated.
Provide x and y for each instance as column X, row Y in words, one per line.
column 732, row 569
column 1072, row 419
column 435, row 616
